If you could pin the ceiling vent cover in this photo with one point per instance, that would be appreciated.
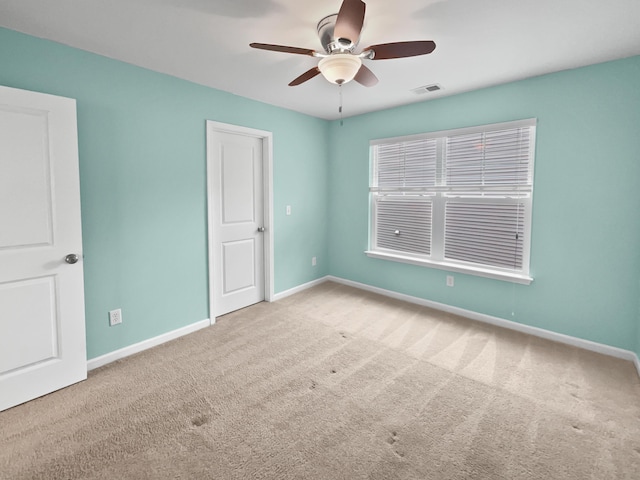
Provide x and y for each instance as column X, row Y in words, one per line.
column 434, row 87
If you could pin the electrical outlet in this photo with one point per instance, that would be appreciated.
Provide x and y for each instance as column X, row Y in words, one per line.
column 115, row 317
column 450, row 281
column 313, row 261
column 288, row 209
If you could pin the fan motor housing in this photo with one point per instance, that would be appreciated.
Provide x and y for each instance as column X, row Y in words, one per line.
column 328, row 40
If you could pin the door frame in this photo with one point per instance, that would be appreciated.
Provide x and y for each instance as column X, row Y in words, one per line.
column 267, row 203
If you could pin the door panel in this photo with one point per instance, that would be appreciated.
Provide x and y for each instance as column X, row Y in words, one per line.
column 42, row 329
column 26, row 217
column 239, row 265
column 238, row 184
column 31, row 303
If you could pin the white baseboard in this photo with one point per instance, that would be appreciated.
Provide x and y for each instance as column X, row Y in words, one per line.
column 299, row 288
column 500, row 322
column 145, row 344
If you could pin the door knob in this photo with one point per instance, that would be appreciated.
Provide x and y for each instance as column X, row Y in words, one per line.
column 71, row 258
column 261, row 229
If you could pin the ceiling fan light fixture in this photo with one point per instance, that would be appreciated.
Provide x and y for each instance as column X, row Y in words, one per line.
column 339, row 35
column 340, row 68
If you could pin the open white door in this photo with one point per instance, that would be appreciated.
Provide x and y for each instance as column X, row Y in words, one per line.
column 42, row 327
column 239, row 233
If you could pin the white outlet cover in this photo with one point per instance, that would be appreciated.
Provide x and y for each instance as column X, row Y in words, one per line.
column 450, row 281
column 115, row 317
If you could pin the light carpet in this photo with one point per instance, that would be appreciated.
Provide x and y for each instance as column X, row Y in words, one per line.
column 337, row 383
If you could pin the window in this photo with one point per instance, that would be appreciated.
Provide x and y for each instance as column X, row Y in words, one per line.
column 458, row 200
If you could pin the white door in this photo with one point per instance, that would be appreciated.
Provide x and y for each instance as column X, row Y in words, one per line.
column 236, row 220
column 42, row 329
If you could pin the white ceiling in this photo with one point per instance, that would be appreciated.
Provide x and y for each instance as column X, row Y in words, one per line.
column 479, row 42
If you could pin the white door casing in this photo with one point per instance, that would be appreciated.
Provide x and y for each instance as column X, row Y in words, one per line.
column 239, row 206
column 42, row 323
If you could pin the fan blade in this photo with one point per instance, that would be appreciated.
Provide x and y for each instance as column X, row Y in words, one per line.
column 282, row 48
column 402, row 49
column 350, row 20
column 308, row 75
column 366, row 77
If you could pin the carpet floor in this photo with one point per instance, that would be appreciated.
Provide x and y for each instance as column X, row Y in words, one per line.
column 337, row 383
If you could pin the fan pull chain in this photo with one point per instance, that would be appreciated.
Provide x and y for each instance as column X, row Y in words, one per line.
column 340, row 107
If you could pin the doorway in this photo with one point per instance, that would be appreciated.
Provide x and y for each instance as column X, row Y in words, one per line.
column 239, row 215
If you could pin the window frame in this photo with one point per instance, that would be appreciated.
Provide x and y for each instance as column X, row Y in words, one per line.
column 440, row 194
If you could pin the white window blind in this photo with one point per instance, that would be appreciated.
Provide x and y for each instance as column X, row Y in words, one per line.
column 406, row 165
column 485, row 233
column 404, row 224
column 489, row 159
column 460, row 198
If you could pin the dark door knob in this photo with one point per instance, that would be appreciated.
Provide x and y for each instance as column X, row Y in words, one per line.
column 71, row 258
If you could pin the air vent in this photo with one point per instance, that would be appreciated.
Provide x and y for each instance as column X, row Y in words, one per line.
column 434, row 87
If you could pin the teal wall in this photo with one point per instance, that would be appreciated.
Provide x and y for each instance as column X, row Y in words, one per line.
column 143, row 187
column 142, row 167
column 585, row 254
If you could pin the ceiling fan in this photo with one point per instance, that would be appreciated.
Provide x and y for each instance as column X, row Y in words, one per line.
column 339, row 35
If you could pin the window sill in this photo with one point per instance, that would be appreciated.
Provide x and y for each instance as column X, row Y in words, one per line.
column 478, row 271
